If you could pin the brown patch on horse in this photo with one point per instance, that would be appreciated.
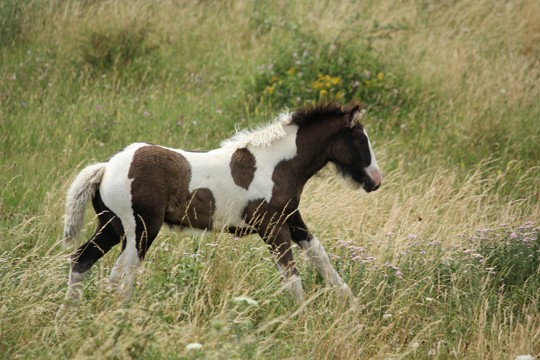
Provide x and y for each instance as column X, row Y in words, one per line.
column 243, row 167
column 200, row 210
column 160, row 179
column 255, row 211
column 160, row 189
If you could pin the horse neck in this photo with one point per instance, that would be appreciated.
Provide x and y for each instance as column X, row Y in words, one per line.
column 312, row 154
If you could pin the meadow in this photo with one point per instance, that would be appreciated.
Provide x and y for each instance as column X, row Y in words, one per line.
column 444, row 258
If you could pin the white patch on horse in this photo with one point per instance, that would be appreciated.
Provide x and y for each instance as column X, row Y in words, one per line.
column 373, row 169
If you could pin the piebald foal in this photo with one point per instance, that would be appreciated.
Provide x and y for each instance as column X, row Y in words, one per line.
column 251, row 184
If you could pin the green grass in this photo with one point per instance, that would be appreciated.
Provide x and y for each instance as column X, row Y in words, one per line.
column 443, row 258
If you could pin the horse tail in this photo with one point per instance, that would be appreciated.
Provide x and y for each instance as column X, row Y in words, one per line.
column 82, row 190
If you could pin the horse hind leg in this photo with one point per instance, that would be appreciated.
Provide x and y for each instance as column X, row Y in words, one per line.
column 87, row 254
column 138, row 239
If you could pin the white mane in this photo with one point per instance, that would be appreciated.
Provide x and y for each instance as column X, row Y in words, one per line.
column 262, row 136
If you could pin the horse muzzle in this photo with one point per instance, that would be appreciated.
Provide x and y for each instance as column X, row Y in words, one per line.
column 372, row 180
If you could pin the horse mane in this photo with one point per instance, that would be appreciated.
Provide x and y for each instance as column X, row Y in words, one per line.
column 317, row 112
column 265, row 135
column 262, row 136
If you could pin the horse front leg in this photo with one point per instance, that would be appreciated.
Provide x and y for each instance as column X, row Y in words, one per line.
column 279, row 240
column 317, row 255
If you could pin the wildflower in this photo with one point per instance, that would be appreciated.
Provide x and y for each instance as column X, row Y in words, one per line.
column 344, row 243
column 194, row 346
column 270, row 89
column 336, row 81
column 399, row 274
column 246, row 300
column 380, row 76
column 387, row 316
column 291, row 71
column 323, row 93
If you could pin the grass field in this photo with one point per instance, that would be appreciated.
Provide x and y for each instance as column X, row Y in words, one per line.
column 444, row 258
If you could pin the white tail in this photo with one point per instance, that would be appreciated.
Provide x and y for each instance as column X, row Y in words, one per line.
column 80, row 192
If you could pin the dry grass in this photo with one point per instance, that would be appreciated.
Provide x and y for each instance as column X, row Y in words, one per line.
column 463, row 162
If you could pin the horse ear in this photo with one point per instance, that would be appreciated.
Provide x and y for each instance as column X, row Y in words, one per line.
column 356, row 113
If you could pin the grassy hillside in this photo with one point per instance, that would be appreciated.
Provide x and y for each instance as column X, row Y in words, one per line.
column 444, row 258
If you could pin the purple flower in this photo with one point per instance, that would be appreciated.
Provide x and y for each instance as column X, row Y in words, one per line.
column 344, row 243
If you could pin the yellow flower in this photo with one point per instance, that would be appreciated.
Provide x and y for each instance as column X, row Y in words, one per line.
column 270, row 89
column 336, row 81
column 274, row 78
column 317, row 85
column 291, row 71
column 323, row 93
column 380, row 76
column 339, row 95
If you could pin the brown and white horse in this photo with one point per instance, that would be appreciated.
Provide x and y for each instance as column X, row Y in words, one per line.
column 251, row 184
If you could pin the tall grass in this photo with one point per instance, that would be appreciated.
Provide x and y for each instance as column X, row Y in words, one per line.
column 443, row 258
